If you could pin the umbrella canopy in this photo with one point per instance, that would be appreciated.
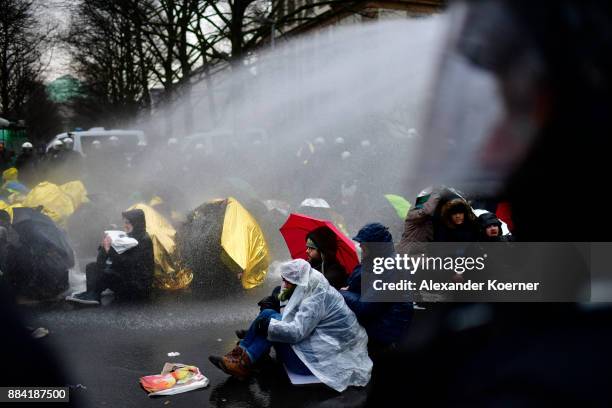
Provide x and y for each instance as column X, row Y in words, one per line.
column 39, row 231
column 315, row 202
column 320, row 209
column 297, row 227
column 277, row 205
column 40, row 267
column 400, row 205
column 219, row 237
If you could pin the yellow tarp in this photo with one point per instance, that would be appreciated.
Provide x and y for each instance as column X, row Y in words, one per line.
column 57, row 205
column 58, row 202
column 77, row 192
column 169, row 274
column 243, row 240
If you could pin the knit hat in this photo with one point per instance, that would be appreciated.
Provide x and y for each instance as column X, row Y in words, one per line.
column 373, row 232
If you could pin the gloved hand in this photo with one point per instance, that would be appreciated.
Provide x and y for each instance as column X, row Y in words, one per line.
column 269, row 302
column 261, row 326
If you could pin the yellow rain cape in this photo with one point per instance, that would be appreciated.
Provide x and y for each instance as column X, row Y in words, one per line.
column 243, row 241
column 169, row 274
column 58, row 202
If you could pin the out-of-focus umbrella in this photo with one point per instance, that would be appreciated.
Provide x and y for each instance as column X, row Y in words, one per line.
column 277, row 205
column 400, row 205
column 319, row 208
column 221, row 235
column 45, row 254
column 169, row 272
column 297, row 227
column 315, row 202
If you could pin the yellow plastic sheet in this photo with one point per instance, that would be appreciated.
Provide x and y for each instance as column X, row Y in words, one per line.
column 58, row 202
column 77, row 192
column 57, row 205
column 243, row 240
column 169, row 274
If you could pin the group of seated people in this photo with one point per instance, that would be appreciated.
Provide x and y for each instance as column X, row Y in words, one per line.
column 316, row 320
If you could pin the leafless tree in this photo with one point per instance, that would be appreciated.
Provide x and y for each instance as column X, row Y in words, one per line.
column 23, row 39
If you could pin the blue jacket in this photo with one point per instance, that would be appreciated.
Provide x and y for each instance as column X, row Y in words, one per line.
column 385, row 322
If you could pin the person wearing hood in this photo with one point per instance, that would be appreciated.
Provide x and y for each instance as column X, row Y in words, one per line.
column 321, row 247
column 315, row 334
column 418, row 225
column 491, row 228
column 456, row 221
column 128, row 273
column 385, row 322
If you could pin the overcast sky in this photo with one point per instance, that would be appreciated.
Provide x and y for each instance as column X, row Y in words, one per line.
column 54, row 12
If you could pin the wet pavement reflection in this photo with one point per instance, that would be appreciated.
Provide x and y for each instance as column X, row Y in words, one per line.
column 106, row 349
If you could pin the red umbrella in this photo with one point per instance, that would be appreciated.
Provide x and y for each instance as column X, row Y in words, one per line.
column 296, row 228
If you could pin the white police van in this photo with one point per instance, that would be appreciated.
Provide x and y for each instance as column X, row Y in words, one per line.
column 126, row 140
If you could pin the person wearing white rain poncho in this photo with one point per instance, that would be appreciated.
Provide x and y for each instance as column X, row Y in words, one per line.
column 316, row 333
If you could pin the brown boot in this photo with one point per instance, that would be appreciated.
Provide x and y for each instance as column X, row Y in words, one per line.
column 235, row 363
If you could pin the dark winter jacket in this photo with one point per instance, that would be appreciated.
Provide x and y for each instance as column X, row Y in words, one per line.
column 135, row 267
column 446, row 231
column 326, row 241
column 385, row 322
column 487, row 219
column 418, row 226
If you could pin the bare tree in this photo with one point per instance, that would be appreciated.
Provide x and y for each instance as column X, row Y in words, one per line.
column 23, row 39
column 111, row 58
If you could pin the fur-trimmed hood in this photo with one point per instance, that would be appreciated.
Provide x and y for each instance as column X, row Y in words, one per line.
column 454, row 206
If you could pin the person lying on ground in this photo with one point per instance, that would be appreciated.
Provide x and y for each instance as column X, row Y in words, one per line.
column 316, row 333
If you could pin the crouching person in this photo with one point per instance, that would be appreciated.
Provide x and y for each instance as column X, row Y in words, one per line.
column 386, row 323
column 127, row 272
column 316, row 333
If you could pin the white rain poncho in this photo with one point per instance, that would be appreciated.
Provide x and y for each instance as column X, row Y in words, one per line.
column 336, row 352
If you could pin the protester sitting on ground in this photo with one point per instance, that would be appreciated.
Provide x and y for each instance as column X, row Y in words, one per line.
column 385, row 322
column 456, row 221
column 128, row 274
column 321, row 247
column 491, row 228
column 316, row 333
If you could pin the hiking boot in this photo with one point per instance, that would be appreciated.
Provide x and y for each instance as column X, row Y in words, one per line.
column 241, row 333
column 235, row 363
column 86, row 298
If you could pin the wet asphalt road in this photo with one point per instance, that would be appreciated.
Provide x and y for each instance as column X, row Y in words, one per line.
column 105, row 350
